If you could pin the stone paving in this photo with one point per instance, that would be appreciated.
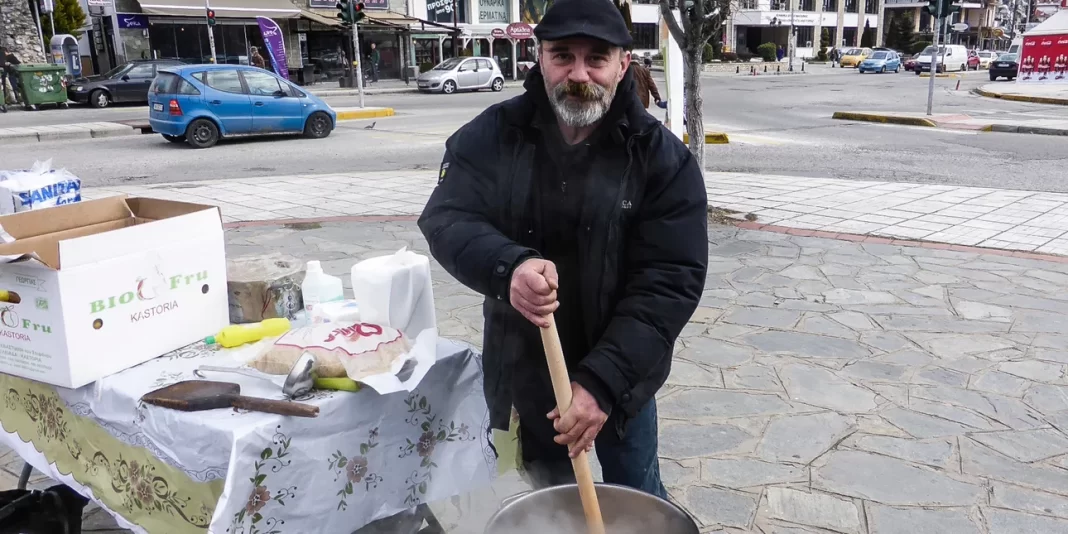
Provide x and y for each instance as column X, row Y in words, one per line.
column 824, row 385
column 995, row 218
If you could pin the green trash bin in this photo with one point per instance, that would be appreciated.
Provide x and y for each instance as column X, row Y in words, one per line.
column 42, row 83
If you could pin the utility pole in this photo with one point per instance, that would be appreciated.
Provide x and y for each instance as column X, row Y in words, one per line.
column 455, row 31
column 356, row 52
column 792, row 42
column 211, row 29
column 934, row 55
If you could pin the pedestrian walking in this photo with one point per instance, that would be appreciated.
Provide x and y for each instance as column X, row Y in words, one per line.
column 643, row 80
column 571, row 199
column 256, row 60
column 376, row 56
column 780, row 53
column 9, row 79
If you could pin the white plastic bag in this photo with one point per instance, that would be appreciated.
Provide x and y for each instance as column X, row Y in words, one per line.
column 395, row 291
column 39, row 187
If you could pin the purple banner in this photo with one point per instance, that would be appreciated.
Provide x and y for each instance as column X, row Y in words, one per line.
column 276, row 46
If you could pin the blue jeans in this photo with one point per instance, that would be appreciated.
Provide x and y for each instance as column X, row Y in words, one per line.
column 628, row 461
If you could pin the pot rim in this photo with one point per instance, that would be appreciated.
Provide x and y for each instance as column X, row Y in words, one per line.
column 507, row 501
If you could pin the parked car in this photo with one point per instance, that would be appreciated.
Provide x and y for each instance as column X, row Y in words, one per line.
column 880, row 61
column 910, row 63
column 853, row 56
column 986, row 57
column 1005, row 66
column 462, row 74
column 126, row 83
column 200, row 104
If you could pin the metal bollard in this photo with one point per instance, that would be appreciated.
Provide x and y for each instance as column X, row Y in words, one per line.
column 791, row 68
column 778, row 69
column 738, row 69
column 802, row 67
column 765, row 68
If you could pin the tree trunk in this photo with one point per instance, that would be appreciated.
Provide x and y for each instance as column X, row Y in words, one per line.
column 695, row 124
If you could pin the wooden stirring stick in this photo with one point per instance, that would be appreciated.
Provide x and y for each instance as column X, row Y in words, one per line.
column 554, row 353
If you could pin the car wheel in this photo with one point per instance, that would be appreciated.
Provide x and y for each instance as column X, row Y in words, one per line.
column 963, row 68
column 174, row 138
column 993, row 78
column 202, row 133
column 318, row 126
column 449, row 87
column 498, row 85
column 882, row 71
column 99, row 98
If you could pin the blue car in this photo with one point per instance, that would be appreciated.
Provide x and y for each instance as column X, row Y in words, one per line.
column 200, row 104
column 880, row 61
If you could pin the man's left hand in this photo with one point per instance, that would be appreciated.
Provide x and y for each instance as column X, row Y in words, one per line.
column 581, row 422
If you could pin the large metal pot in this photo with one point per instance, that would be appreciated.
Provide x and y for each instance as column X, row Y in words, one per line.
column 623, row 509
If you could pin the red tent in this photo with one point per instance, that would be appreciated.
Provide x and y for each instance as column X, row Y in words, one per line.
column 1044, row 54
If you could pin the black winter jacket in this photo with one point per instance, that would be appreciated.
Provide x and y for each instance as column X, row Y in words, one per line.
column 643, row 232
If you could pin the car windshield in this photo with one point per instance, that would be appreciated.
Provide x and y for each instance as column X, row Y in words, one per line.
column 449, row 64
column 853, row 52
column 1007, row 57
column 985, row 54
column 117, row 70
column 931, row 50
column 879, row 55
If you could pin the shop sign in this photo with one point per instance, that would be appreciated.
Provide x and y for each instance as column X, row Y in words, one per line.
column 493, row 11
column 98, row 3
column 322, row 4
column 139, row 22
column 376, row 4
column 519, row 30
column 440, row 11
column 498, row 33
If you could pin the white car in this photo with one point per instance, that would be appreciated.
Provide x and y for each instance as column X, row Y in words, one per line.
column 462, row 74
column 986, row 57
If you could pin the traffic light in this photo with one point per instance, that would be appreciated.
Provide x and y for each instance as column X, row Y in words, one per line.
column 211, row 17
column 932, row 8
column 948, row 9
column 358, row 15
column 344, row 11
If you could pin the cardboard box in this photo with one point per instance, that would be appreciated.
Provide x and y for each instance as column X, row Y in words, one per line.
column 107, row 284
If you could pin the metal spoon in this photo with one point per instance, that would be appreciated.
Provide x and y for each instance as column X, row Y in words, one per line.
column 298, row 382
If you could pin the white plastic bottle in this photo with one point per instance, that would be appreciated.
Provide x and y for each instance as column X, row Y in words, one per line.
column 318, row 288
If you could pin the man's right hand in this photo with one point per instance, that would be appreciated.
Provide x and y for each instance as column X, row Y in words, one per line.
column 533, row 290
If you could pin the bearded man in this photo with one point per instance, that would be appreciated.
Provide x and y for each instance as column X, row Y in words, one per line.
column 572, row 200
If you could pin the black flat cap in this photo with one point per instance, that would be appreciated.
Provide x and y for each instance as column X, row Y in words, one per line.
column 597, row 19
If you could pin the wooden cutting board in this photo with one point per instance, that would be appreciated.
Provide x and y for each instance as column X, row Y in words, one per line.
column 200, row 395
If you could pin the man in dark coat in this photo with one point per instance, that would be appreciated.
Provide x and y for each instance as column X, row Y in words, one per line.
column 643, row 77
column 572, row 200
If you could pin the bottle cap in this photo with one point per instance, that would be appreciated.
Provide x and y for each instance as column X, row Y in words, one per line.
column 210, row 340
column 314, row 266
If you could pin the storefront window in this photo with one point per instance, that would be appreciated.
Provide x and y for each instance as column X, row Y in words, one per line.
column 162, row 38
column 187, row 44
column 646, row 36
column 230, row 45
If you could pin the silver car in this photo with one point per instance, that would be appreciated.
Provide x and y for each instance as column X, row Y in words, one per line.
column 462, row 74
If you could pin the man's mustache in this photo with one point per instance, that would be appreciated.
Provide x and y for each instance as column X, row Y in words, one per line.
column 582, row 91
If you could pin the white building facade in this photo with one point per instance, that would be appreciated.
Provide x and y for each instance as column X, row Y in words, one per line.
column 755, row 22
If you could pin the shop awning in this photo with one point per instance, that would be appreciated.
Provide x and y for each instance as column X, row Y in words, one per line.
column 315, row 17
column 275, row 9
column 392, row 18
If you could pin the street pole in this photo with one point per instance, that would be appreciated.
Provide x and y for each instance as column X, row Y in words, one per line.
column 791, row 40
column 455, row 32
column 934, row 56
column 211, row 32
column 356, row 52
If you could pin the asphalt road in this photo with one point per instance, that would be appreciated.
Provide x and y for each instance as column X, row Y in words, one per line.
column 778, row 125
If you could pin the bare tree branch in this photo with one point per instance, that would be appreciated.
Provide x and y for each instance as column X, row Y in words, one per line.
column 672, row 24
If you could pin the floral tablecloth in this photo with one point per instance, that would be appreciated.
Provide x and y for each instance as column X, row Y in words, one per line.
column 367, row 456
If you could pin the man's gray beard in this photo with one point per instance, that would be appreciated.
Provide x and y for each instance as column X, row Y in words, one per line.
column 580, row 113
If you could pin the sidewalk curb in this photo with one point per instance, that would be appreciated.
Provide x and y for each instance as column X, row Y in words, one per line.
column 711, row 138
column 942, row 75
column 1022, row 98
column 1035, row 130
column 358, row 114
column 884, row 119
column 392, row 91
column 66, row 132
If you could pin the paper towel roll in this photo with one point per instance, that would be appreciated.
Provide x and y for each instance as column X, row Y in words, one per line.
column 395, row 291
